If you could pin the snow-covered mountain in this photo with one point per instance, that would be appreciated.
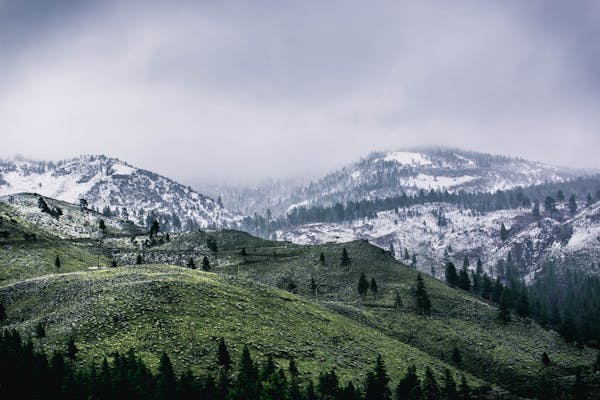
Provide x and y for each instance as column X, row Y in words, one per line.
column 114, row 187
column 416, row 230
column 387, row 174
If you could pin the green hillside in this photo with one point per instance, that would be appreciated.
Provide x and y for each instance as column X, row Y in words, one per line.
column 247, row 298
column 507, row 354
column 184, row 312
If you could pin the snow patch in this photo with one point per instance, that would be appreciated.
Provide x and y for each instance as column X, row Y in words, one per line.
column 407, row 158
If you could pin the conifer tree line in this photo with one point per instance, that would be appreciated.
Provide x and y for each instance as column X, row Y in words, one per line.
column 30, row 373
column 581, row 189
column 565, row 299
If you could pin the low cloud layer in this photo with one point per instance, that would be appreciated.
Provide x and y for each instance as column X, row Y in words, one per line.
column 243, row 90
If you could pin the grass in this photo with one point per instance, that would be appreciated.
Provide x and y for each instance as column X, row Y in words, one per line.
column 167, row 308
column 184, row 312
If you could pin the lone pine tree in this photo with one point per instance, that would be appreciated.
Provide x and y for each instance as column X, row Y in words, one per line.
column 451, row 274
column 205, row 264
column 223, row 358
column 155, row 228
column 345, row 259
column 423, row 304
column 373, row 287
column 102, row 226
column 503, row 232
column 322, row 259
column 363, row 285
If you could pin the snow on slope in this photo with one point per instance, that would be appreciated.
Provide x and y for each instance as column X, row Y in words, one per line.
column 74, row 223
column 393, row 173
column 132, row 193
column 416, row 229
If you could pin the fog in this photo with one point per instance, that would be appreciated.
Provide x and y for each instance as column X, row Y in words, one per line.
column 231, row 91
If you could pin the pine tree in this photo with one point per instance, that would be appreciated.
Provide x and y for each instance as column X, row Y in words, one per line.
column 545, row 359
column 155, row 228
column 245, row 386
column 328, row 385
column 139, row 260
column 377, row 382
column 345, row 259
column 392, row 250
column 422, row 301
column 211, row 243
column 57, row 263
column 275, row 387
column 72, row 349
column 406, row 255
column 322, row 259
column 409, row 385
column 363, row 285
column 486, row 287
column 293, row 368
column 243, row 252
column 503, row 233
column 268, row 369
column 560, row 196
column 431, row 390
column 223, row 358
column 464, row 282
column 102, row 226
column 414, row 260
column 166, row 382
column 113, row 264
column 450, row 386
column 373, row 287
column 349, row 392
column 550, row 205
column 451, row 274
column 572, row 204
column 205, row 264
column 191, row 264
column 589, row 200
column 3, row 316
column 535, row 211
column 479, row 269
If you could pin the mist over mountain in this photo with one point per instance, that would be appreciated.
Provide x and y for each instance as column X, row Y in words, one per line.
column 393, row 173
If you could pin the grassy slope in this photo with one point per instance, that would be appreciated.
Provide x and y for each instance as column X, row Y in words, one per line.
column 21, row 259
column 494, row 352
column 184, row 312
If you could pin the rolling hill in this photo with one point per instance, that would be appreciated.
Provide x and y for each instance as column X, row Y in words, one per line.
column 259, row 292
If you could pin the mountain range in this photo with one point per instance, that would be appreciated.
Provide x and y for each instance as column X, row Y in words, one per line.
column 90, row 266
column 114, row 187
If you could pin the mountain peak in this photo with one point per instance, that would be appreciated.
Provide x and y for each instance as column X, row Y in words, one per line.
column 114, row 186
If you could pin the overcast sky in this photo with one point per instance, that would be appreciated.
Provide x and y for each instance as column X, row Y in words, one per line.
column 241, row 90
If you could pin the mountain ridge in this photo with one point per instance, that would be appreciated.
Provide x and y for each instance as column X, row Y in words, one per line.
column 112, row 186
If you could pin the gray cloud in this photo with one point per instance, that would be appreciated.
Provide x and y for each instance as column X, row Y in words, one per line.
column 240, row 90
